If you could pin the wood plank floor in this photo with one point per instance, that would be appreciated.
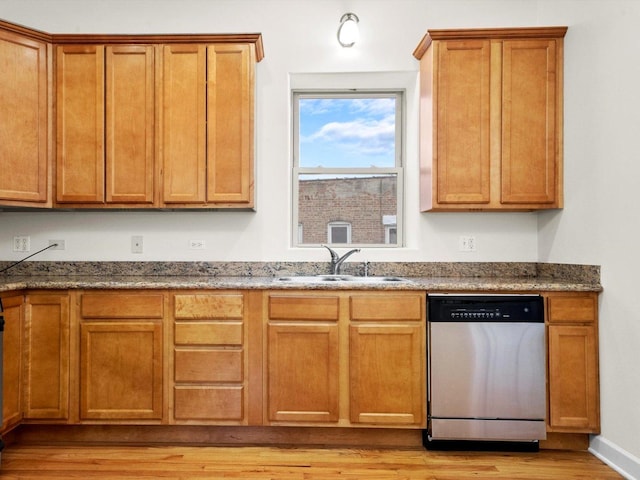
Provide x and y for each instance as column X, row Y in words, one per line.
column 268, row 463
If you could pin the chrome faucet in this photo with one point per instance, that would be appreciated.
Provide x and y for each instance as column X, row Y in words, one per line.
column 337, row 260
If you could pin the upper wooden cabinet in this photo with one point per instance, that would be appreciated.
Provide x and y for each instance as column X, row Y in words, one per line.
column 24, row 119
column 207, row 126
column 105, row 124
column 141, row 121
column 491, row 119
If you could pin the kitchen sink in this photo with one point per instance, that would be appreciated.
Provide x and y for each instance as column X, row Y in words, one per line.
column 339, row 278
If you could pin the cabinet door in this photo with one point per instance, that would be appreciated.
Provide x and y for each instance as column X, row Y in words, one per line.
column 130, row 122
column 230, row 120
column 80, row 124
column 121, row 370
column 462, row 156
column 386, row 374
column 184, row 123
column 573, row 378
column 303, row 365
column 12, row 348
column 121, row 341
column 529, row 117
column 23, row 123
column 47, row 359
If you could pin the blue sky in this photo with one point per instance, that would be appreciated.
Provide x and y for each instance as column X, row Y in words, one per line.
column 347, row 132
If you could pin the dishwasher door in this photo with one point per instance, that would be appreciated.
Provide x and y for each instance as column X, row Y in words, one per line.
column 487, row 380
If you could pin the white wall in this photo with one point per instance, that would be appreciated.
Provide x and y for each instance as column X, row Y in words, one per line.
column 600, row 222
column 299, row 37
column 602, row 149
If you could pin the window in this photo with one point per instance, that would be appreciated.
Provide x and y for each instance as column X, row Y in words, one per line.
column 339, row 232
column 347, row 167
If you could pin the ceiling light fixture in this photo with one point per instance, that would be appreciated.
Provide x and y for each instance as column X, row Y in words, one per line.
column 348, row 30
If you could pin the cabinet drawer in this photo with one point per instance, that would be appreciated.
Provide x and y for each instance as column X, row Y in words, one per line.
column 209, row 306
column 123, row 305
column 387, row 307
column 208, row 403
column 208, row 366
column 208, row 333
column 573, row 308
column 302, row 307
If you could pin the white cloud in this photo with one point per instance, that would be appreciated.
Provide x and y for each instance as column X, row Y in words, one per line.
column 365, row 136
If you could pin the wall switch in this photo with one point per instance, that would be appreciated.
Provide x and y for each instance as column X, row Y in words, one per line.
column 22, row 243
column 467, row 243
column 59, row 244
column 197, row 244
column 136, row 244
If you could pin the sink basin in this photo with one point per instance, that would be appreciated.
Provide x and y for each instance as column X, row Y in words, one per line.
column 338, row 278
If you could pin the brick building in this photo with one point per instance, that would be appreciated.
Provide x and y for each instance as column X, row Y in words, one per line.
column 359, row 210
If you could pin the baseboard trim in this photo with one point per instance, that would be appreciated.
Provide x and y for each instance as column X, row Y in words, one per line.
column 215, row 435
column 617, row 458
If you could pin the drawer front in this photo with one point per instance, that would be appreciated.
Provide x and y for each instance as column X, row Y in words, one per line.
column 122, row 305
column 573, row 308
column 208, row 366
column 209, row 306
column 209, row 403
column 387, row 307
column 208, row 333
column 303, row 307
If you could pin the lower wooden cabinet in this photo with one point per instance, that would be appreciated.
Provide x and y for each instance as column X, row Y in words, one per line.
column 121, row 356
column 346, row 358
column 47, row 347
column 209, row 357
column 303, row 358
column 232, row 357
column 387, row 359
column 386, row 374
column 12, row 348
column 574, row 402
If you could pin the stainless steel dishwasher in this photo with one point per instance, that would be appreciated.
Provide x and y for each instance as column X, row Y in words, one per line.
column 486, row 366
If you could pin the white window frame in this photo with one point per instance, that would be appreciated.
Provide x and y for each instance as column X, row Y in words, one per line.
column 398, row 170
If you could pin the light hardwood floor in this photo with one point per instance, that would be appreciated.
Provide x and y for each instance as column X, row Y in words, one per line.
column 266, row 463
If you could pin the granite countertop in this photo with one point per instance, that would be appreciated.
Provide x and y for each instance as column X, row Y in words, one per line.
column 434, row 277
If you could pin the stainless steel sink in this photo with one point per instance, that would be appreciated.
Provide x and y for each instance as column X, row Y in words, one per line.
column 339, row 278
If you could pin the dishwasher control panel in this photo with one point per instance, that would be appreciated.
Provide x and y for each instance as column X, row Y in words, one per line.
column 485, row 308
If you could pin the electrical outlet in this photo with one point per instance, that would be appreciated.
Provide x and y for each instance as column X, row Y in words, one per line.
column 467, row 243
column 197, row 244
column 59, row 244
column 22, row 243
column 136, row 244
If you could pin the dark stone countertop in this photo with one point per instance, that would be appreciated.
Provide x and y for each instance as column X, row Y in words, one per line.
column 432, row 277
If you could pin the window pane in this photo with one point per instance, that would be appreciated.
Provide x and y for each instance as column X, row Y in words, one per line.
column 347, row 132
column 366, row 202
column 339, row 234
